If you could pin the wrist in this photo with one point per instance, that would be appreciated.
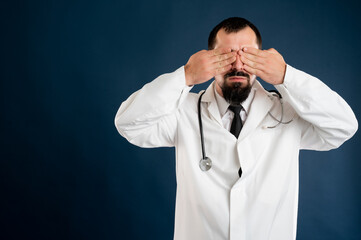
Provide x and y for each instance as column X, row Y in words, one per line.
column 282, row 76
column 188, row 79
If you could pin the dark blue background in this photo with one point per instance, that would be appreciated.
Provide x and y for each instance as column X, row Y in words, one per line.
column 66, row 66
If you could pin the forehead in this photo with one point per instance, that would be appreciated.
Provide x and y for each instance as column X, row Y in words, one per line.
column 236, row 40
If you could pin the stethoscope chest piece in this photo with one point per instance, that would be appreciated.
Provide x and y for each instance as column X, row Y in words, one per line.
column 205, row 164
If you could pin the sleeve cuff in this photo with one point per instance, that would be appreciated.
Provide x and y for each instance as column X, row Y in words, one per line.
column 289, row 75
column 181, row 81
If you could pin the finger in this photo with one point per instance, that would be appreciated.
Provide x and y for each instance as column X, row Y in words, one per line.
column 253, row 58
column 254, row 71
column 222, row 70
column 222, row 57
column 224, row 62
column 252, row 64
column 254, row 51
column 219, row 51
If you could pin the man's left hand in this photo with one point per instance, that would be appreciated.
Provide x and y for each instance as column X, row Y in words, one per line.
column 266, row 64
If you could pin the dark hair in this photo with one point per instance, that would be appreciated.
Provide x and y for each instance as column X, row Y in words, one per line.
column 233, row 25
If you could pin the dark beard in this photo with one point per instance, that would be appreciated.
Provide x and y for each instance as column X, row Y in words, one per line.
column 234, row 93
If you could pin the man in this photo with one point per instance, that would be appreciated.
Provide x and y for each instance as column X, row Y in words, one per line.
column 250, row 188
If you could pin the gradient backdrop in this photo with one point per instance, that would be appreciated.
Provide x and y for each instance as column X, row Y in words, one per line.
column 66, row 66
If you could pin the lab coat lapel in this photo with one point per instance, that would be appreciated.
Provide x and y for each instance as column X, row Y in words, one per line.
column 259, row 108
column 212, row 104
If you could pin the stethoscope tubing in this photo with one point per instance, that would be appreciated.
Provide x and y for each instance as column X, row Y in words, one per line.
column 205, row 163
column 201, row 125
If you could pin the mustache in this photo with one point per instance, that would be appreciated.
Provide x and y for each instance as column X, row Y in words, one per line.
column 237, row 74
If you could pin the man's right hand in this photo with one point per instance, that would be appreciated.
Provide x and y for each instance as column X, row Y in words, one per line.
column 204, row 65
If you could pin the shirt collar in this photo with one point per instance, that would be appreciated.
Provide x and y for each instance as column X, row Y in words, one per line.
column 223, row 104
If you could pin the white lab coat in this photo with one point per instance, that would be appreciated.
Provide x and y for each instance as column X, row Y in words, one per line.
column 217, row 204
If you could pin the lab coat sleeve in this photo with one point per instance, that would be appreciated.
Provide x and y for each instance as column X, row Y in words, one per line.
column 148, row 118
column 326, row 119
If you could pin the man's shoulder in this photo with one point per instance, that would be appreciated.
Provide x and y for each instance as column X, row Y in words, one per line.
column 190, row 102
column 192, row 98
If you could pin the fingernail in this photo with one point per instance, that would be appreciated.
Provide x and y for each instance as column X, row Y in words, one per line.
column 244, row 49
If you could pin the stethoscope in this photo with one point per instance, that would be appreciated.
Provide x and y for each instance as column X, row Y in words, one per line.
column 206, row 163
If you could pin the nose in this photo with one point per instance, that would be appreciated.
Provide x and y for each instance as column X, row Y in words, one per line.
column 238, row 64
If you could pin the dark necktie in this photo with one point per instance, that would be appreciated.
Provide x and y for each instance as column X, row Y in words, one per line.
column 237, row 125
column 237, row 121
